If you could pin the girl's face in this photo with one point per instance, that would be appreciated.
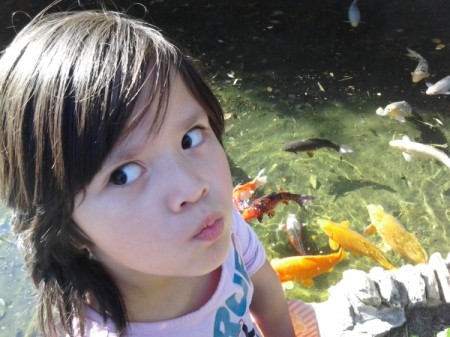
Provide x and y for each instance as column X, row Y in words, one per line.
column 161, row 204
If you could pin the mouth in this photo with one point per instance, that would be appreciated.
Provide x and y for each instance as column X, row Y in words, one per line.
column 211, row 229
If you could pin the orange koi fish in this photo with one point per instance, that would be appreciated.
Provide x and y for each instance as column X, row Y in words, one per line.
column 241, row 193
column 267, row 204
column 395, row 235
column 340, row 235
column 293, row 230
column 304, row 268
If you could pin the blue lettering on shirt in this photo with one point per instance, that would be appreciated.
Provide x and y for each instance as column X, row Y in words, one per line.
column 229, row 317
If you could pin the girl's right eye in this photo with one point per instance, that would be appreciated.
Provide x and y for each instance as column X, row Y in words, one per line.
column 125, row 174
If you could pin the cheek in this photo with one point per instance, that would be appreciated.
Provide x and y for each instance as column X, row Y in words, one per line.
column 223, row 173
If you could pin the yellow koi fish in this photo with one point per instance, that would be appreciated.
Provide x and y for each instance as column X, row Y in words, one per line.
column 304, row 268
column 395, row 235
column 341, row 235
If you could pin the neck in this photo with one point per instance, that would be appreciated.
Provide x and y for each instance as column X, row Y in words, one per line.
column 164, row 298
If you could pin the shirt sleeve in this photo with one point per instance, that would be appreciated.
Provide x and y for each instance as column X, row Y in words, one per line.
column 248, row 244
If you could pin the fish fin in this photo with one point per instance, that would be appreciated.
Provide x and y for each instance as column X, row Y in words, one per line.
column 407, row 156
column 406, row 138
column 345, row 149
column 386, row 247
column 400, row 119
column 369, row 230
column 428, row 84
column 333, row 244
column 308, row 282
column 310, row 154
column 288, row 285
column 238, row 186
column 345, row 224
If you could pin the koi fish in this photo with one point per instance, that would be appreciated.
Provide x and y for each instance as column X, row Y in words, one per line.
column 419, row 150
column 267, row 204
column 396, row 110
column 395, row 235
column 421, row 70
column 441, row 87
column 242, row 193
column 309, row 145
column 341, row 235
column 304, row 268
column 354, row 16
column 293, row 229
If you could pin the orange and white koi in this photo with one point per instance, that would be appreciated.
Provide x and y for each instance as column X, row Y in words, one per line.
column 242, row 193
column 267, row 204
column 304, row 268
column 341, row 235
column 293, row 229
column 421, row 70
column 395, row 235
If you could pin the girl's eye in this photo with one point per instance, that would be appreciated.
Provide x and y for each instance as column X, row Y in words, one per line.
column 125, row 174
column 192, row 138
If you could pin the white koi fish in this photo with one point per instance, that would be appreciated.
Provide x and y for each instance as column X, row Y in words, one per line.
column 354, row 16
column 396, row 110
column 441, row 87
column 419, row 150
column 421, row 70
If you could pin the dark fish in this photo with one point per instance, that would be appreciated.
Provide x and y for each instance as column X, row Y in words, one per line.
column 312, row 144
column 267, row 203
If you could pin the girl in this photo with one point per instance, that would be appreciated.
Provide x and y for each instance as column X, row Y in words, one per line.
column 112, row 163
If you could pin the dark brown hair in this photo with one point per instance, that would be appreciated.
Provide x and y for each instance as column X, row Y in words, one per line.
column 68, row 84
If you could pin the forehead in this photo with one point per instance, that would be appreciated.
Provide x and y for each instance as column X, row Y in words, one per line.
column 151, row 116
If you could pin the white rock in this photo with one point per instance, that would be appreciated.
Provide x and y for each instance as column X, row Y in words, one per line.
column 443, row 275
column 414, row 284
column 387, row 288
column 431, row 284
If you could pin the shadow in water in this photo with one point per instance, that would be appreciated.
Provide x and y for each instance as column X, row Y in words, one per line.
column 342, row 186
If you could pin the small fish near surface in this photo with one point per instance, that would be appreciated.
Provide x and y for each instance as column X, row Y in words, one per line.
column 421, row 70
column 242, row 193
column 441, row 87
column 312, row 144
column 419, row 150
column 341, row 235
column 354, row 16
column 394, row 235
column 267, row 204
column 293, row 229
column 304, row 268
column 396, row 110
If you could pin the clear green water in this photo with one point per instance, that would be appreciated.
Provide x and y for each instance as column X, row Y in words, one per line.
column 265, row 60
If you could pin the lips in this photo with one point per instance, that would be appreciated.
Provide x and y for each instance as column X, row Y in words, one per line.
column 211, row 230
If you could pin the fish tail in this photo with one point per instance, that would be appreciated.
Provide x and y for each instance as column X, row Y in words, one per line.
column 344, row 149
column 414, row 55
column 302, row 199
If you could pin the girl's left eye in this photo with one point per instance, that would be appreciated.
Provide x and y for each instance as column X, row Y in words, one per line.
column 192, row 138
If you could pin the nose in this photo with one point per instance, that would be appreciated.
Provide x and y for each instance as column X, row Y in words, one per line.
column 187, row 186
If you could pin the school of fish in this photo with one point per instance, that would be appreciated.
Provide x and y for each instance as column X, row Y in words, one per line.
column 302, row 267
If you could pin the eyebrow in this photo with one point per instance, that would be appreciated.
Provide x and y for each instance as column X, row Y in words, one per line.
column 129, row 147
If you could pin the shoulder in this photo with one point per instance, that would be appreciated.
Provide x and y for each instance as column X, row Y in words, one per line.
column 247, row 243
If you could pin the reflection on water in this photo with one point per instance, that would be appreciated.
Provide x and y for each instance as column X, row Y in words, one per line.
column 297, row 70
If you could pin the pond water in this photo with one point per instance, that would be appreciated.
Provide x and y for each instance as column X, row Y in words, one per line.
column 294, row 71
